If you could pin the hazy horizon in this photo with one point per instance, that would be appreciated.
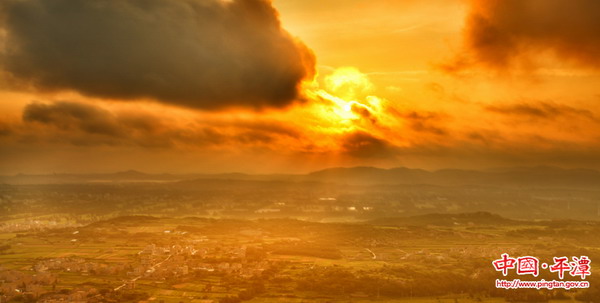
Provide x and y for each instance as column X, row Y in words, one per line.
column 217, row 172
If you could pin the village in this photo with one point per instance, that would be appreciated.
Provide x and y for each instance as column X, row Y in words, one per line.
column 153, row 263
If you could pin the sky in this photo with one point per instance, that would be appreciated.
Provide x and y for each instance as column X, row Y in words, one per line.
column 292, row 86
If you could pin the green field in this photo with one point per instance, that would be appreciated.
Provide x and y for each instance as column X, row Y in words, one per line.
column 291, row 261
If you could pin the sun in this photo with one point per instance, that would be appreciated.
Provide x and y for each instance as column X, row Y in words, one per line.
column 348, row 83
column 346, row 101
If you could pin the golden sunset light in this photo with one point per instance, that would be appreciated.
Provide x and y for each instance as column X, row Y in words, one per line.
column 387, row 83
column 292, row 151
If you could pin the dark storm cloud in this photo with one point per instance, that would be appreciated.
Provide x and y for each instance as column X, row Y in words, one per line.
column 360, row 144
column 73, row 116
column 84, row 124
column 270, row 127
column 364, row 112
column 5, row 129
column 423, row 122
column 500, row 33
column 203, row 54
column 541, row 110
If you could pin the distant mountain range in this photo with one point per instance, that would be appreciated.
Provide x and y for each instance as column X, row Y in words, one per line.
column 524, row 176
column 541, row 176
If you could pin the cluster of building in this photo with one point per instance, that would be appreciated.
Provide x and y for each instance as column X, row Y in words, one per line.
column 79, row 265
column 81, row 295
column 154, row 262
column 14, row 283
column 162, row 262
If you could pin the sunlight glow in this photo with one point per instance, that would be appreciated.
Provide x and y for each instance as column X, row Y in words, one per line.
column 345, row 101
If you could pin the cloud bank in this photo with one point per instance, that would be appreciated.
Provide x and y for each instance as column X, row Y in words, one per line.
column 83, row 124
column 207, row 54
